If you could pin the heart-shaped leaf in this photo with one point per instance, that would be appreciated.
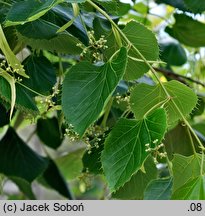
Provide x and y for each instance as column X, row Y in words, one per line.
column 145, row 97
column 124, row 151
column 134, row 189
column 87, row 88
column 136, row 33
column 192, row 190
column 188, row 167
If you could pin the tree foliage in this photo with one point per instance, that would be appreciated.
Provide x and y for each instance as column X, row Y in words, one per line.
column 113, row 94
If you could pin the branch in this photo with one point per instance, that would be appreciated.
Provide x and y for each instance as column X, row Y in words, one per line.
column 135, row 49
column 178, row 77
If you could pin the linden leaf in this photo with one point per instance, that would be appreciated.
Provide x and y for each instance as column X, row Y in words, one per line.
column 124, row 152
column 145, row 98
column 192, row 190
column 27, row 11
column 87, row 88
column 10, row 57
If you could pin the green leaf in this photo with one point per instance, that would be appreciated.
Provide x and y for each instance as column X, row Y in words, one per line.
column 4, row 8
column 75, row 1
column 140, row 7
column 145, row 41
column 177, row 141
column 102, row 27
column 70, row 165
column 145, row 98
column 124, row 151
column 173, row 54
column 34, row 35
column 4, row 117
column 15, row 45
column 41, row 72
column 24, row 101
column 174, row 3
column 192, row 190
column 188, row 167
column 188, row 31
column 134, row 189
column 10, row 56
column 111, row 6
column 38, row 30
column 49, row 133
column 87, row 88
column 92, row 161
column 200, row 128
column 18, row 160
column 196, row 6
column 199, row 109
column 24, row 186
column 159, row 189
column 123, row 8
column 28, row 11
column 55, row 180
column 140, row 37
column 11, row 81
column 63, row 13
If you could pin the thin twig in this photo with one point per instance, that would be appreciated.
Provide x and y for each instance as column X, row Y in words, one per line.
column 178, row 77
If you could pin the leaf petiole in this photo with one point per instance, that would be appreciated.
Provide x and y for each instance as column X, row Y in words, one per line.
column 150, row 67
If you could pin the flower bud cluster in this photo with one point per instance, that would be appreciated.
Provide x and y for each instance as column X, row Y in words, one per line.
column 95, row 47
column 7, row 67
column 48, row 100
column 69, row 131
column 97, row 44
column 93, row 137
column 157, row 151
column 121, row 98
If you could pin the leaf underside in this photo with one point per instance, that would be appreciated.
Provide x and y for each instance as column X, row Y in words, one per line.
column 144, row 97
